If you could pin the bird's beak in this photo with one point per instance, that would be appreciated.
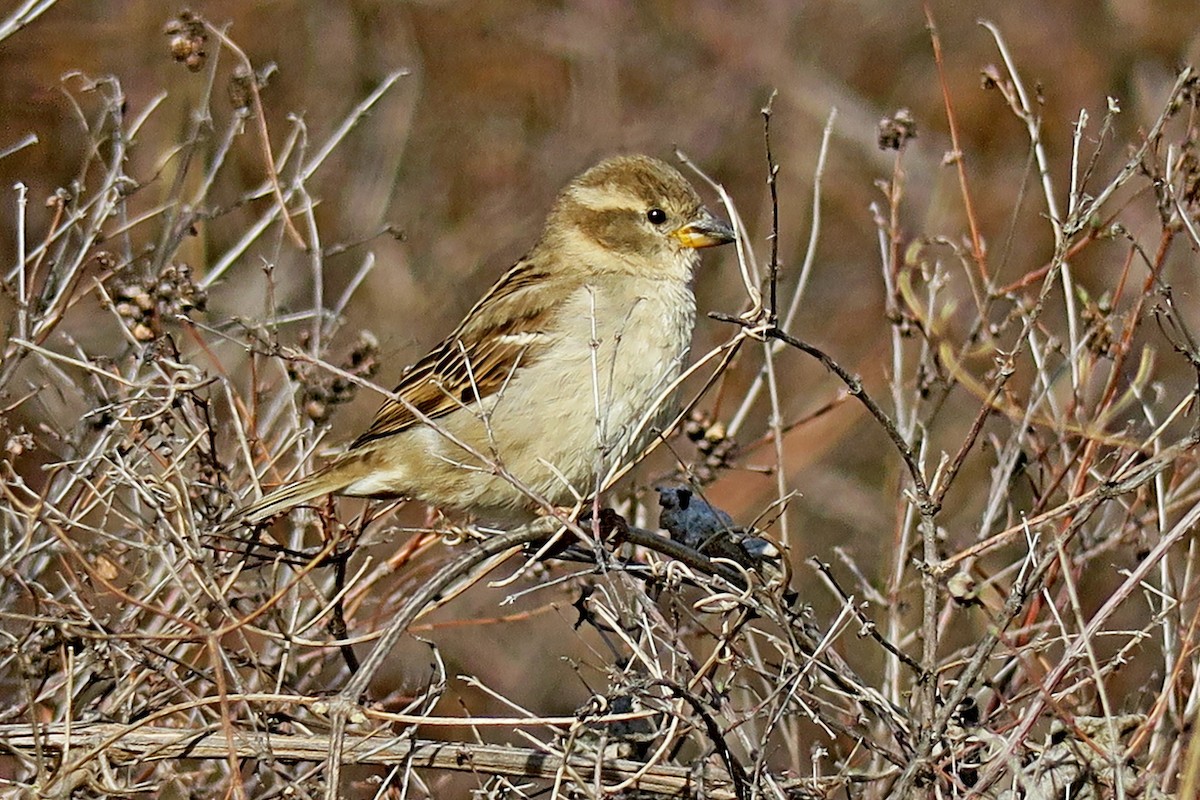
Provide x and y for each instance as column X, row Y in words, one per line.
column 708, row 231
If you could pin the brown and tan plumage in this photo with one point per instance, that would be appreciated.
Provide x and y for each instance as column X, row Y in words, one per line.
column 553, row 375
column 476, row 359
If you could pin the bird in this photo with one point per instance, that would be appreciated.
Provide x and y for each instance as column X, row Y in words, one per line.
column 563, row 369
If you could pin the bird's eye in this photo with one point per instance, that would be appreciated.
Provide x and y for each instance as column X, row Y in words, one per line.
column 656, row 216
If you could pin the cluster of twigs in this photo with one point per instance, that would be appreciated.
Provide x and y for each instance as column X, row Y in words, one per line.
column 143, row 653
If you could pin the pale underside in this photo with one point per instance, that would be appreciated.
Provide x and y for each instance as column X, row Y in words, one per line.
column 618, row 345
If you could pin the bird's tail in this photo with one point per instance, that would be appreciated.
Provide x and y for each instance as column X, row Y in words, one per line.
column 330, row 480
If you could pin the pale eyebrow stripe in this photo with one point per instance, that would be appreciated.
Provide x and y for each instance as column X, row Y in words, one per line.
column 599, row 198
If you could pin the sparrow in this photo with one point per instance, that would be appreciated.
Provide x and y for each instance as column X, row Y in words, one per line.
column 562, row 370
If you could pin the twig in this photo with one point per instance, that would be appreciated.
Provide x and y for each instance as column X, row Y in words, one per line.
column 250, row 81
column 978, row 251
column 132, row 746
column 773, row 186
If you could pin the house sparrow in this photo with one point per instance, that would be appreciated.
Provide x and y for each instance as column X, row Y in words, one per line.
column 556, row 374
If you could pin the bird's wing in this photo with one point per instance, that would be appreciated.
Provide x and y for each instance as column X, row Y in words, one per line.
column 507, row 327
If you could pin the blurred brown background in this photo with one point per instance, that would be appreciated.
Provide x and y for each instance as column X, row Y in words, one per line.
column 506, row 102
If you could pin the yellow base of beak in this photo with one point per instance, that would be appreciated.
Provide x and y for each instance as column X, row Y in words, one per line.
column 708, row 231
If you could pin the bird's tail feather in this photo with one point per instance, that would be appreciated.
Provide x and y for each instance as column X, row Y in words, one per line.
column 326, row 481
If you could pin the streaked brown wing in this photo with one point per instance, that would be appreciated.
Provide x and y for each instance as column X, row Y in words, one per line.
column 506, row 327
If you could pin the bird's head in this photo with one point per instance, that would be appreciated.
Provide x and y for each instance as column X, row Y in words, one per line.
column 635, row 214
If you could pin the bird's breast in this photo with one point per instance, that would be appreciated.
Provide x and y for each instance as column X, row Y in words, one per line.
column 602, row 386
column 596, row 388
